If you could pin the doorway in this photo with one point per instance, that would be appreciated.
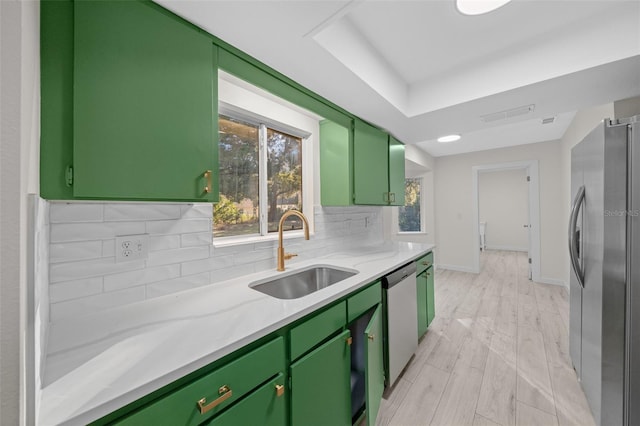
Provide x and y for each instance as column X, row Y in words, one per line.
column 531, row 220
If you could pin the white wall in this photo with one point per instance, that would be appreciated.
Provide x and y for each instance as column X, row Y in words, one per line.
column 627, row 107
column 455, row 240
column 19, row 124
column 583, row 122
column 503, row 198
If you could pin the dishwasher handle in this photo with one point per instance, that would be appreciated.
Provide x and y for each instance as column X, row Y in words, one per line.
column 398, row 275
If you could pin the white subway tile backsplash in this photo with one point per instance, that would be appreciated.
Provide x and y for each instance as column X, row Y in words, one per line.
column 90, row 268
column 109, row 248
column 142, row 276
column 75, row 212
column 166, row 257
column 141, row 211
column 179, row 226
column 91, row 304
column 68, row 252
column 63, row 232
column 164, row 242
column 197, row 211
column 84, row 277
column 162, row 288
column 196, row 239
column 69, row 290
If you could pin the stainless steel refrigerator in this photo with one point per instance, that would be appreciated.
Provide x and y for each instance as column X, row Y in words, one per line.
column 604, row 248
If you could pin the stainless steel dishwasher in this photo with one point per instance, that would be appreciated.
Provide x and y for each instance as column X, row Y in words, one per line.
column 401, row 308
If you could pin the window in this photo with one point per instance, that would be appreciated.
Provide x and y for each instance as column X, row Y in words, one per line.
column 409, row 216
column 260, row 178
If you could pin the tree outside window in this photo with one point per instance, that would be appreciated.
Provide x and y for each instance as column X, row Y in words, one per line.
column 242, row 203
column 409, row 218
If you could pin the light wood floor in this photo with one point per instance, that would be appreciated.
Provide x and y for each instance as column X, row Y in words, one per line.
column 497, row 353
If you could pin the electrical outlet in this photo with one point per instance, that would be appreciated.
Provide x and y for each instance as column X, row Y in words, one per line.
column 132, row 247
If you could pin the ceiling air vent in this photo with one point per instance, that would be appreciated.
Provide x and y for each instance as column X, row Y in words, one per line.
column 548, row 120
column 503, row 115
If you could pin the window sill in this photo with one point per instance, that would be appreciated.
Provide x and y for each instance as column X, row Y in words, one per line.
column 237, row 241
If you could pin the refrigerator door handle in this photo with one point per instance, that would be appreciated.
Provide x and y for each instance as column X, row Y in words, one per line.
column 573, row 235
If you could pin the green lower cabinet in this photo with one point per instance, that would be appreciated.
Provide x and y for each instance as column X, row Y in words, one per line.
column 423, row 321
column 266, row 406
column 374, row 377
column 431, row 301
column 211, row 394
column 320, row 385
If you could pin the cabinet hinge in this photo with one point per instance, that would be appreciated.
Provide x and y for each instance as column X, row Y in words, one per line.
column 69, row 176
column 528, row 178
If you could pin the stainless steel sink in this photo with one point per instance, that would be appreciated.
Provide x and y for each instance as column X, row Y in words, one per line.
column 300, row 283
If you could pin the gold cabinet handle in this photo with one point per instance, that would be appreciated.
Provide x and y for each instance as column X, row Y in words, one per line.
column 224, row 392
column 208, row 175
column 428, row 274
column 349, row 340
column 371, row 336
column 425, row 263
column 279, row 390
column 392, row 196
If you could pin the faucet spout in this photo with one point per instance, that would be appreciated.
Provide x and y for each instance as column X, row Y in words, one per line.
column 281, row 255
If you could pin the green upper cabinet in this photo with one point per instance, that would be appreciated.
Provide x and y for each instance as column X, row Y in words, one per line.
column 142, row 121
column 361, row 165
column 336, row 165
column 370, row 165
column 396, row 172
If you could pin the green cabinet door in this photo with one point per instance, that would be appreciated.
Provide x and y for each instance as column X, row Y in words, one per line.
column 266, row 406
column 320, row 385
column 431, row 301
column 370, row 165
column 423, row 322
column 144, row 105
column 396, row 172
column 336, row 165
column 374, row 378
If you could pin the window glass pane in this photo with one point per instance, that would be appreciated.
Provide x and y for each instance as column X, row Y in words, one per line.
column 409, row 214
column 237, row 212
column 284, row 178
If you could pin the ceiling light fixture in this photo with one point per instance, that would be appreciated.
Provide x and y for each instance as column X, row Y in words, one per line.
column 448, row 138
column 478, row 7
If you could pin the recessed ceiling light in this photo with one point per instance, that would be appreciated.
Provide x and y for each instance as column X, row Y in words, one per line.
column 448, row 138
column 478, row 7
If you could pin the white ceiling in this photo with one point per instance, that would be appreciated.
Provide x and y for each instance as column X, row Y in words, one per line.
column 420, row 69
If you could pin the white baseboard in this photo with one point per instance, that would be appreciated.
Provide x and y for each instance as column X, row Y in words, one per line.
column 507, row 248
column 552, row 281
column 456, row 268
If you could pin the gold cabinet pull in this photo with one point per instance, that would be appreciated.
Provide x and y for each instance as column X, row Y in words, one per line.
column 224, row 392
column 392, row 197
column 371, row 336
column 425, row 263
column 349, row 340
column 208, row 175
column 279, row 390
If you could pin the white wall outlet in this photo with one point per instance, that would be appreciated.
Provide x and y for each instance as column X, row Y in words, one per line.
column 132, row 247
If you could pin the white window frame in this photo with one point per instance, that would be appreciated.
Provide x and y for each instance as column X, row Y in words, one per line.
column 423, row 216
column 263, row 124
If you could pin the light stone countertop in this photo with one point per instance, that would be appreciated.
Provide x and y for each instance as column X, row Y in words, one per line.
column 102, row 362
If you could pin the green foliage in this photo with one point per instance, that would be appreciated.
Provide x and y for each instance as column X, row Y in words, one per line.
column 409, row 215
column 225, row 211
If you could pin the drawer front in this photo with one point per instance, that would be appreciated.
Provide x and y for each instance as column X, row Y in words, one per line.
column 239, row 376
column 363, row 301
column 424, row 262
column 313, row 331
column 265, row 406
